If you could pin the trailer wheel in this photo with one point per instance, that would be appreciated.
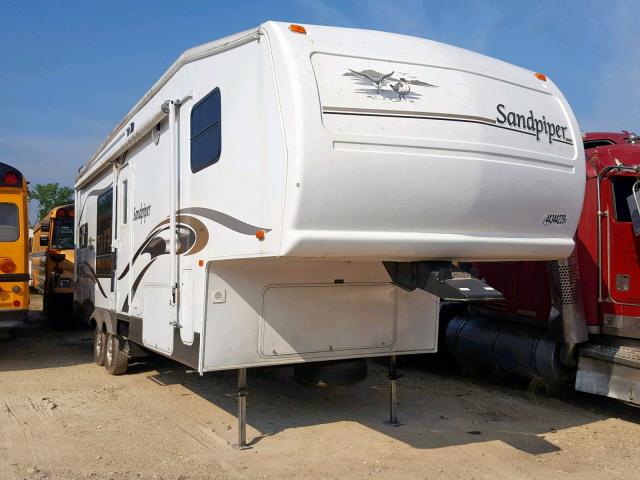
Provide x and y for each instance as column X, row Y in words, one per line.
column 116, row 359
column 334, row 373
column 99, row 346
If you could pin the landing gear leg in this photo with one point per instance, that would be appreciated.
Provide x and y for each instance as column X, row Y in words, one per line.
column 393, row 393
column 242, row 410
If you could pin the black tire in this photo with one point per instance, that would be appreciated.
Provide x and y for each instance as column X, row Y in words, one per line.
column 116, row 359
column 99, row 346
column 334, row 373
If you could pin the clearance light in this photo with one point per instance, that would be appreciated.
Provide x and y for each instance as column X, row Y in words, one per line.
column 7, row 265
column 71, row 213
column 297, row 29
column 10, row 178
column 260, row 234
column 61, row 213
column 201, row 263
column 540, row 76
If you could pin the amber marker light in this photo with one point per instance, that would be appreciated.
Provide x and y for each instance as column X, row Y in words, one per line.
column 201, row 263
column 260, row 234
column 541, row 76
column 297, row 29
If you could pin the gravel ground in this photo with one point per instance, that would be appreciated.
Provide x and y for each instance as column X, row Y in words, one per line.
column 61, row 416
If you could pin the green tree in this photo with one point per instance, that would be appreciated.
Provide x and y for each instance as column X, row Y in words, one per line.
column 50, row 195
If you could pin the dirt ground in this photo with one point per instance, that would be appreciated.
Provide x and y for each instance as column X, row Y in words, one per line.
column 61, row 416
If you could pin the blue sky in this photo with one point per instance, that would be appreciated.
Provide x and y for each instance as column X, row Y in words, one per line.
column 71, row 70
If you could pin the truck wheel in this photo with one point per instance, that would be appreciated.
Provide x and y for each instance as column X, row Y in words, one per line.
column 116, row 359
column 334, row 373
column 99, row 346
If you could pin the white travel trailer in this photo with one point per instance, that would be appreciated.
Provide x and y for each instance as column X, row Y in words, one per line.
column 294, row 194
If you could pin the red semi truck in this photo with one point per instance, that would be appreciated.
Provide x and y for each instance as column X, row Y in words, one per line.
column 577, row 319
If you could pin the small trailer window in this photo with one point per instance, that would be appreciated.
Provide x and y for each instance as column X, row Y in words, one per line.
column 83, row 236
column 205, row 131
column 125, row 207
column 103, row 234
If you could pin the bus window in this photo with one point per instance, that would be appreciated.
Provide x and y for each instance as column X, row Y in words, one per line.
column 62, row 233
column 9, row 222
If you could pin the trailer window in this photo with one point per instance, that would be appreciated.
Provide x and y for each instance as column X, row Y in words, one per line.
column 621, row 188
column 125, row 207
column 103, row 234
column 9, row 222
column 83, row 236
column 205, row 131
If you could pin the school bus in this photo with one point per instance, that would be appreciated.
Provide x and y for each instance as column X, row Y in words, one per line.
column 52, row 262
column 14, row 244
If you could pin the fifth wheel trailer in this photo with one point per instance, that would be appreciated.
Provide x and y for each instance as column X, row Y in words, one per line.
column 303, row 193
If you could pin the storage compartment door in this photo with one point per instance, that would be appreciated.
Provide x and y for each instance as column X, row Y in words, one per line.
column 157, row 331
column 310, row 319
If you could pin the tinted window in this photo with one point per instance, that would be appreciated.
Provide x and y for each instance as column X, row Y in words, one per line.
column 125, row 207
column 103, row 234
column 83, row 235
column 622, row 188
column 205, row 132
column 9, row 222
column 596, row 143
column 62, row 233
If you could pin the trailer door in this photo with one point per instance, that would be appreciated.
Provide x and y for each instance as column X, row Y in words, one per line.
column 123, row 281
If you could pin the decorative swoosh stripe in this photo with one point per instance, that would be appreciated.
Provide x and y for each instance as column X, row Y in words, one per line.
column 92, row 275
column 194, row 237
column 225, row 220
column 405, row 113
column 450, row 117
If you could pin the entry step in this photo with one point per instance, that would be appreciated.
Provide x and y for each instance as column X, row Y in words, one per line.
column 618, row 354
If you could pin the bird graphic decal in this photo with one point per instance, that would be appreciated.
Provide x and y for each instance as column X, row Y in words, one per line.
column 374, row 77
column 402, row 85
column 401, row 88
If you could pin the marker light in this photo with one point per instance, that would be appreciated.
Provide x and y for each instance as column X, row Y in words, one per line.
column 16, row 303
column 260, row 234
column 10, row 178
column 16, row 289
column 7, row 265
column 61, row 213
column 541, row 76
column 297, row 29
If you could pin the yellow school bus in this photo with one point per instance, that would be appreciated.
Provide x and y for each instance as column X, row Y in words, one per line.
column 52, row 262
column 14, row 244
